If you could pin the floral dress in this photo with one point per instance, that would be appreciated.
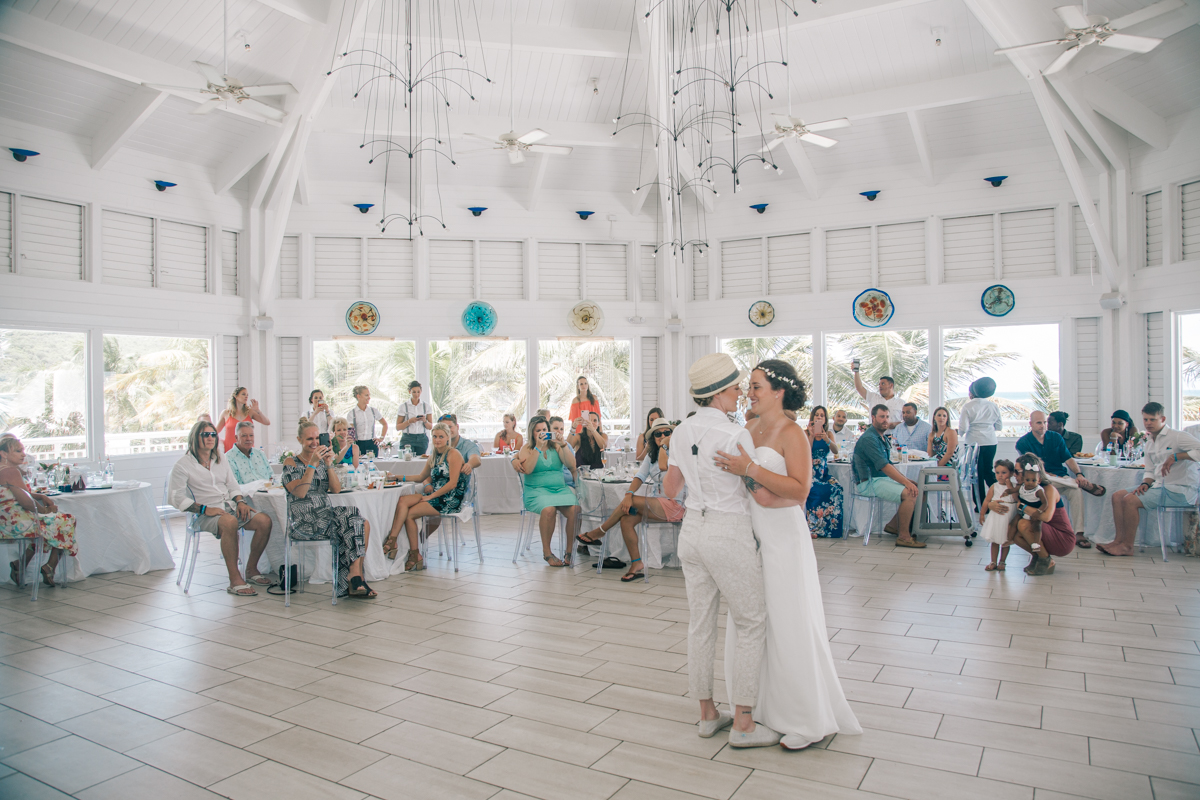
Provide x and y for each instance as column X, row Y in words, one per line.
column 312, row 518
column 16, row 523
column 439, row 476
column 939, row 451
column 824, row 505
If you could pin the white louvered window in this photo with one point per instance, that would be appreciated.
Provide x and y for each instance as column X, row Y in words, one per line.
column 699, row 276
column 289, row 381
column 452, row 269
column 502, row 270
column 648, row 272
column 1154, row 229
column 789, row 264
column 1083, row 248
column 969, row 249
column 607, row 271
column 229, row 263
column 1189, row 202
column 182, row 257
column 229, row 365
column 649, row 373
column 558, row 270
column 1087, row 349
column 741, row 268
column 337, row 266
column 698, row 347
column 1155, row 358
column 6, row 242
column 289, row 268
column 901, row 250
column 51, row 239
column 1027, row 244
column 128, row 250
column 848, row 259
column 389, row 268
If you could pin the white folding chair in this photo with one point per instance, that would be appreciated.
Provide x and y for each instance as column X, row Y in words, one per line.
column 288, row 544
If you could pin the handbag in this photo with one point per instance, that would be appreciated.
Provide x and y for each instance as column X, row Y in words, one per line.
column 293, row 583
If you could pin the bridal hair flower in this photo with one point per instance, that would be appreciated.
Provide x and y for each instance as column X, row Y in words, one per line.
column 784, row 379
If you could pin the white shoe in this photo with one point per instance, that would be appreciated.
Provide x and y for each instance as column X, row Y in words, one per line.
column 795, row 742
column 710, row 727
column 761, row 736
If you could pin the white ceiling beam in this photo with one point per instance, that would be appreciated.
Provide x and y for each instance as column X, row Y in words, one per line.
column 123, row 123
column 803, row 166
column 1078, row 135
column 1164, row 27
column 1107, row 136
column 922, row 142
column 552, row 39
column 303, row 186
column 234, row 166
column 314, row 12
column 1126, row 111
column 534, row 189
column 646, row 179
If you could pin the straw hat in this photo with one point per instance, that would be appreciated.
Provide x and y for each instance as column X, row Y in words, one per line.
column 659, row 423
column 714, row 373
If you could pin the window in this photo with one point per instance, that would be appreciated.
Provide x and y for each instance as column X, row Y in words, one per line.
column 386, row 368
column 558, row 270
column 1022, row 359
column 51, row 239
column 43, row 392
column 604, row 364
column 479, row 382
column 1189, row 379
column 901, row 355
column 154, row 390
column 337, row 266
column 796, row 350
column 1154, row 229
column 453, row 264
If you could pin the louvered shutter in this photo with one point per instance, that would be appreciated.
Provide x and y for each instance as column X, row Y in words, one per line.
column 6, row 260
column 1154, row 229
column 229, row 365
column 51, row 239
column 648, row 273
column 1082, row 244
column 1155, row 358
column 389, row 268
column 789, row 264
column 229, row 263
column 502, row 270
column 337, row 266
column 182, row 257
column 289, row 381
column 741, row 268
column 901, row 254
column 848, row 259
column 558, row 270
column 699, row 277
column 969, row 249
column 1087, row 357
column 649, row 373
column 698, row 347
column 607, row 271
column 289, row 267
column 1189, row 201
column 452, row 269
column 128, row 250
column 1027, row 244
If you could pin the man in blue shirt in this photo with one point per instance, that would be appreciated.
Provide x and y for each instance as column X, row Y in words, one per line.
column 913, row 432
column 248, row 463
column 1052, row 449
column 876, row 477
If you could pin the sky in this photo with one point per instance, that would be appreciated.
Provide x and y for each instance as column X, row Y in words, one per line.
column 1031, row 343
column 1189, row 336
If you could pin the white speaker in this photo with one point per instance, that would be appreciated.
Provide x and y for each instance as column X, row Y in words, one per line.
column 1112, row 300
column 263, row 323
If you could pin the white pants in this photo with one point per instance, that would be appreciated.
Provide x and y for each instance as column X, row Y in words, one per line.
column 720, row 557
column 1072, row 495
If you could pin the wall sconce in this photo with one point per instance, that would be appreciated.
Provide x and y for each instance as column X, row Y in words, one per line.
column 583, row 215
column 760, row 207
column 871, row 195
column 477, row 210
column 364, row 207
column 996, row 180
column 20, row 155
column 162, row 186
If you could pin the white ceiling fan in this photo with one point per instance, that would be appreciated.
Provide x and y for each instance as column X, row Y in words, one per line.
column 1083, row 30
column 794, row 128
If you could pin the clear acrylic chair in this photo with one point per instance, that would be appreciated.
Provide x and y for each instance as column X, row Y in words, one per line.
column 288, row 544
column 191, row 549
column 528, row 525
column 39, row 547
column 1176, row 510
column 464, row 513
column 166, row 513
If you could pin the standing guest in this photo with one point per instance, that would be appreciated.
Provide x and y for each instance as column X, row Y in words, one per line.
column 1120, row 430
column 589, row 443
column 1057, row 421
column 444, row 487
column 205, row 417
column 309, row 478
column 824, row 504
column 319, row 415
column 509, row 439
column 1052, row 450
column 875, row 476
column 248, row 462
column 414, row 418
column 842, row 434
column 978, row 423
column 1169, row 479
column 240, row 409
column 996, row 511
column 914, row 432
column 1054, row 537
column 643, row 440
column 542, row 412
column 29, row 514
column 202, row 483
column 885, row 396
column 584, row 401
column 943, row 440
column 363, row 418
column 546, row 494
column 345, row 451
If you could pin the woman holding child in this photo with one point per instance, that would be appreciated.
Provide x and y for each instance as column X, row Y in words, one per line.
column 1032, row 514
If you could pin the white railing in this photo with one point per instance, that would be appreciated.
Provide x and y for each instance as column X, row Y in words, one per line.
column 74, row 448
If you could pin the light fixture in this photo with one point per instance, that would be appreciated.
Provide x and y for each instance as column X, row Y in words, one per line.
column 162, row 186
column 595, row 84
column 364, row 207
column 20, row 154
column 871, row 195
column 476, row 210
column 996, row 180
column 760, row 207
column 583, row 215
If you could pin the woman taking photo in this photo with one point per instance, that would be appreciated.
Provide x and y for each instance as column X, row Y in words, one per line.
column 590, row 442
column 444, row 484
column 584, row 402
column 546, row 492
column 309, row 477
column 643, row 439
column 943, row 440
column 345, row 451
column 319, row 415
column 824, row 504
column 508, row 440
column 240, row 409
column 27, row 514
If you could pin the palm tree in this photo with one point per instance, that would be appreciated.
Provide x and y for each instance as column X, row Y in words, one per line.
column 162, row 387
column 1045, row 391
column 604, row 363
column 478, row 381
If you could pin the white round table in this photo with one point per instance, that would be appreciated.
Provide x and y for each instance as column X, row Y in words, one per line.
column 1098, row 510
column 601, row 497
column 117, row 529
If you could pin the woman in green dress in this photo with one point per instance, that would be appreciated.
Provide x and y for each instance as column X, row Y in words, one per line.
column 546, row 492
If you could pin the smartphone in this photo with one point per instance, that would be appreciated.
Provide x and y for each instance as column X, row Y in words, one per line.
column 854, row 364
column 547, row 436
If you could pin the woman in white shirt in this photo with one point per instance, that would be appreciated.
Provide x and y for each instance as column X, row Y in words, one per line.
column 319, row 415
column 978, row 423
column 413, row 419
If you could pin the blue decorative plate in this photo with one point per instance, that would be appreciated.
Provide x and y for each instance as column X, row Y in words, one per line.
column 479, row 318
column 761, row 313
column 362, row 318
column 873, row 308
column 998, row 300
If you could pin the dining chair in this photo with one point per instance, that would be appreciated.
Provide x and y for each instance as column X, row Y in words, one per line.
column 1176, row 510
column 191, row 549
column 289, row 543
column 464, row 513
column 166, row 513
column 22, row 542
column 527, row 525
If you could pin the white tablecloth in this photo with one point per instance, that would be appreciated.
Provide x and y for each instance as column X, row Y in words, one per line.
column 1098, row 510
column 118, row 531
column 855, row 515
column 600, row 498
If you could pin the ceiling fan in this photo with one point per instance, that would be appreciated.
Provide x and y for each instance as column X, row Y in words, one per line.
column 794, row 128
column 1083, row 30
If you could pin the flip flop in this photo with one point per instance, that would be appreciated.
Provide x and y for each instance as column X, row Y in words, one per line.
column 245, row 590
column 261, row 580
column 560, row 563
column 1097, row 490
column 1082, row 542
column 582, row 540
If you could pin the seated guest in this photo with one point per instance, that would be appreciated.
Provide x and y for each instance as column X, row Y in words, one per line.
column 913, row 432
column 1057, row 421
column 546, row 493
column 445, row 481
column 1045, row 524
column 843, row 434
column 654, row 508
column 1169, row 479
column 875, row 476
column 824, row 504
column 345, row 450
column 818, row 429
column 643, row 440
column 589, row 442
column 1052, row 450
column 510, row 438
column 248, row 463
column 558, row 428
column 943, row 440
column 413, row 419
column 363, row 417
column 28, row 514
column 465, row 447
column 202, row 483
column 309, row 478
column 1119, row 431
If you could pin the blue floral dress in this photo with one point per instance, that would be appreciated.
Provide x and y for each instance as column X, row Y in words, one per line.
column 439, row 476
column 824, row 505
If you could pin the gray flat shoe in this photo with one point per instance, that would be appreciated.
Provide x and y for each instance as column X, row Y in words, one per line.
column 761, row 736
column 710, row 727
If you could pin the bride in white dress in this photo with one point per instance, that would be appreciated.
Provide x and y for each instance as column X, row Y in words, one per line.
column 800, row 695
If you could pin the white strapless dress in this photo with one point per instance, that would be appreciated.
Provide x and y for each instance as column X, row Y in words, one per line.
column 800, row 695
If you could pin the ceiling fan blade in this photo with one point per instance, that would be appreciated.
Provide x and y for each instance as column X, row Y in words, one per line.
column 550, row 149
column 269, row 89
column 262, row 109
column 771, row 145
column 208, row 106
column 478, row 137
column 817, row 139
column 1064, row 58
column 829, row 125
column 535, row 135
column 516, row 157
column 1149, row 12
column 210, row 73
column 190, row 90
column 1136, row 44
column 1003, row 50
column 1073, row 17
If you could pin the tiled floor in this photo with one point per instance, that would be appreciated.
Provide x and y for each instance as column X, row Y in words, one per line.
column 520, row 681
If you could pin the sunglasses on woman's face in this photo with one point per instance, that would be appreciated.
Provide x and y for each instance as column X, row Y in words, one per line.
column 208, row 435
column 661, row 434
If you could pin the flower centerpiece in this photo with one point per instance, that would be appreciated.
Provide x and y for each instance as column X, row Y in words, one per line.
column 285, row 455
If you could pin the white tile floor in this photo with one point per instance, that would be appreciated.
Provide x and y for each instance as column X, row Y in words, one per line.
column 508, row 681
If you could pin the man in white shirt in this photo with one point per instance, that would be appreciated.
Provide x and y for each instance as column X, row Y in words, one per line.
column 413, row 419
column 843, row 434
column 914, row 432
column 362, row 419
column 201, row 483
column 886, row 396
column 718, row 550
column 1169, row 480
column 248, row 463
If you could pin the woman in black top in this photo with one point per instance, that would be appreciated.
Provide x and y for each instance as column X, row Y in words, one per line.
column 589, row 443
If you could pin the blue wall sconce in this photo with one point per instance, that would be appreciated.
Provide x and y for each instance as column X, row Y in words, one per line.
column 760, row 207
column 996, row 180
column 20, row 154
column 162, row 186
column 364, row 207
column 477, row 210
column 583, row 215
column 871, row 195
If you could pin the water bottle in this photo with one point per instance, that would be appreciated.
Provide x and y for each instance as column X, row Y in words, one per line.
column 408, row 453
column 109, row 473
column 1112, row 455
column 903, row 454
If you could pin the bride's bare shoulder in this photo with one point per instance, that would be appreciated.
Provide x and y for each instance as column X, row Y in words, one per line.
column 791, row 435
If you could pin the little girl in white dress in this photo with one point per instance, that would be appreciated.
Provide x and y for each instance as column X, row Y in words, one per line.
column 995, row 524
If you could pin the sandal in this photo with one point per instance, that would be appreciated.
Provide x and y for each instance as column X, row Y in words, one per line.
column 243, row 590
column 413, row 561
column 390, row 549
column 1097, row 490
column 999, row 566
column 990, row 567
column 591, row 539
column 360, row 589
column 261, row 580
column 631, row 575
column 1082, row 541
column 47, row 574
column 14, row 571
column 552, row 558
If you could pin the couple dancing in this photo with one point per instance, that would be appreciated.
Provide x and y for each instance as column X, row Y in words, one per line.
column 745, row 538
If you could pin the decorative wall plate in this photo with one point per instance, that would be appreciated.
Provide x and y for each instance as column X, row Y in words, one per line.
column 479, row 318
column 362, row 318
column 998, row 300
column 761, row 313
column 586, row 317
column 873, row 308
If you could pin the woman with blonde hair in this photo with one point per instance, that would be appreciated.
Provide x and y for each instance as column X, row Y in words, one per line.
column 509, row 439
column 442, row 492
column 30, row 514
column 240, row 409
column 345, row 451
